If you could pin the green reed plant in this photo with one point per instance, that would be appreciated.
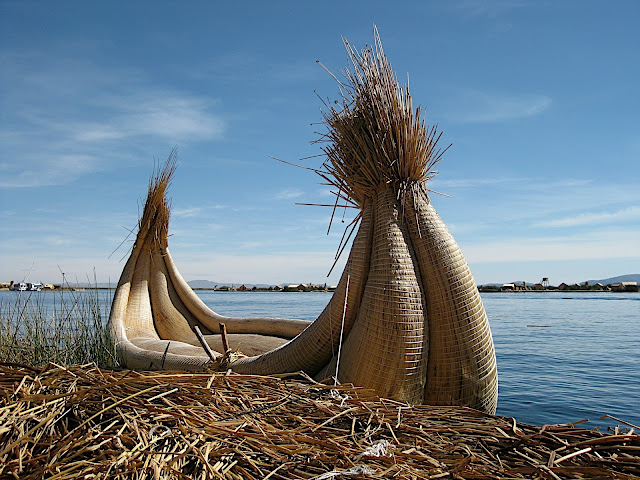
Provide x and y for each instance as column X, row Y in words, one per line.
column 71, row 330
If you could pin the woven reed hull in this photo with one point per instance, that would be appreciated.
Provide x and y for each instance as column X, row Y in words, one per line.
column 461, row 368
column 418, row 272
column 386, row 348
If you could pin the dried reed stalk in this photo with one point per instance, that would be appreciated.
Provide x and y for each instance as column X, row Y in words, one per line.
column 85, row 422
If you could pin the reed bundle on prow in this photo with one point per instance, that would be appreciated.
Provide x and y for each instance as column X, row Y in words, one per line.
column 406, row 318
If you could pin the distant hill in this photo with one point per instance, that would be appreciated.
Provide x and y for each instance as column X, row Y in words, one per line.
column 205, row 284
column 631, row 277
column 210, row 284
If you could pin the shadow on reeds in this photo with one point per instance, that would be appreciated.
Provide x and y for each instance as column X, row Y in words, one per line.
column 65, row 327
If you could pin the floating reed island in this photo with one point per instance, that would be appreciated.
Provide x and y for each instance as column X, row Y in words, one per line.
column 406, row 319
column 86, row 422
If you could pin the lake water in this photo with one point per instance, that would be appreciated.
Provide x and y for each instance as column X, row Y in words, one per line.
column 562, row 357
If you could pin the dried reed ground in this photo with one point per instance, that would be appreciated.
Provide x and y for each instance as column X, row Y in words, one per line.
column 85, row 422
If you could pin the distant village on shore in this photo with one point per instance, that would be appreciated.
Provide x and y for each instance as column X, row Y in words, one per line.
column 625, row 283
column 544, row 286
column 302, row 287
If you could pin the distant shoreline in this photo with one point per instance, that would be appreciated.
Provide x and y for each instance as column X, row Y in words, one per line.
column 481, row 290
column 265, row 290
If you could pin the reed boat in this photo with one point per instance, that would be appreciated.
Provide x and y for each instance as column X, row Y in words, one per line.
column 406, row 318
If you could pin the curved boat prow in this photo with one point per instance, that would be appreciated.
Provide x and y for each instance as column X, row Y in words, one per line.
column 155, row 312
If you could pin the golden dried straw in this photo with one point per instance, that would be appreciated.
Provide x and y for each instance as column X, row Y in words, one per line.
column 85, row 422
column 376, row 138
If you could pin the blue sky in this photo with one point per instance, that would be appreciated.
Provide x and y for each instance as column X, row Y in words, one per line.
column 539, row 99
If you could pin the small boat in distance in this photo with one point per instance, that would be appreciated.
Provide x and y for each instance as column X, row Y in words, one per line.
column 25, row 286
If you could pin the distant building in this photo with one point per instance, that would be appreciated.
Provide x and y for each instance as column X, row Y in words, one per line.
column 625, row 287
column 19, row 286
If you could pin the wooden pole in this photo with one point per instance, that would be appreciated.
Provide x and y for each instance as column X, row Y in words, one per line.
column 204, row 343
column 225, row 340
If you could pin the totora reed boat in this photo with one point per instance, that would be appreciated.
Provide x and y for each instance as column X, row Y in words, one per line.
column 406, row 318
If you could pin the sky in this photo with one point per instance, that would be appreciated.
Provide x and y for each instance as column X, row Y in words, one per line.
column 540, row 101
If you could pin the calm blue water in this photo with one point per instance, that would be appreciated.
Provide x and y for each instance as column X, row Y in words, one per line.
column 581, row 359
column 562, row 357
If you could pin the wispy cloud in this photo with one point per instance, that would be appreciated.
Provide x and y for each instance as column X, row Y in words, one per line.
column 60, row 118
column 289, row 194
column 474, row 106
column 250, row 245
column 59, row 169
column 490, row 9
column 242, row 63
column 264, row 268
column 58, row 241
column 478, row 182
column 591, row 246
column 626, row 214
column 467, row 228
column 186, row 212
column 173, row 116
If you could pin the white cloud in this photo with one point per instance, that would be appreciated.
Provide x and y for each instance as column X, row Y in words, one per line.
column 97, row 133
column 473, row 106
column 598, row 245
column 631, row 213
column 490, row 9
column 58, row 169
column 526, row 183
column 478, row 182
column 173, row 116
column 289, row 194
column 267, row 268
column 186, row 212
column 58, row 241
column 250, row 245
column 60, row 117
column 467, row 228
column 536, row 202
